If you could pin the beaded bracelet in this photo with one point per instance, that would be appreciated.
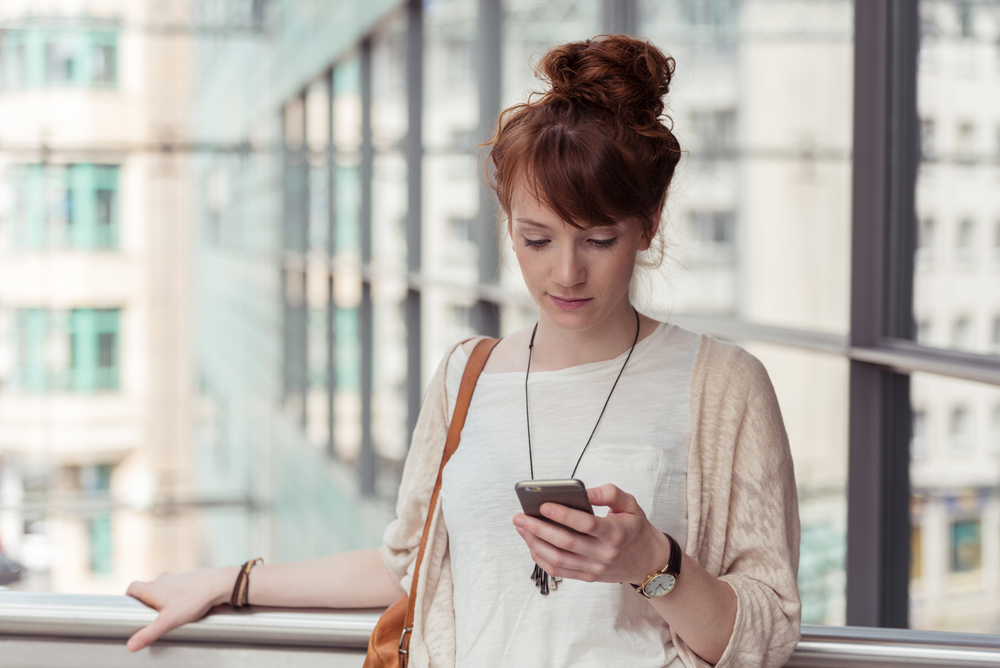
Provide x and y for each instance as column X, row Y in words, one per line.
column 241, row 591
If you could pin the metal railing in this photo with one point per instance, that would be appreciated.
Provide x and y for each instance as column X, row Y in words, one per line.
column 57, row 629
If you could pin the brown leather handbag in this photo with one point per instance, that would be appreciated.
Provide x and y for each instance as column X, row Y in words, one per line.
column 389, row 644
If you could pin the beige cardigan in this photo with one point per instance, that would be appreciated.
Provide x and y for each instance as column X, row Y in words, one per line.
column 743, row 522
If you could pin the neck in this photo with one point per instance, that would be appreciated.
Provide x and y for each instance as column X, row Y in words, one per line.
column 558, row 349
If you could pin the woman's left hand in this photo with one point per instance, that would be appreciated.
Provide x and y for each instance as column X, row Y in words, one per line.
column 621, row 547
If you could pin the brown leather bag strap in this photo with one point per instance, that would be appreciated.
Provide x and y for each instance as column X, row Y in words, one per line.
column 474, row 367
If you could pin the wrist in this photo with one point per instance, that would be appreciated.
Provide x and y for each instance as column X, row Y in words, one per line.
column 658, row 556
column 223, row 582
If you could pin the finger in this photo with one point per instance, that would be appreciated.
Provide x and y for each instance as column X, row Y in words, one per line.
column 579, row 520
column 149, row 633
column 140, row 592
column 614, row 498
column 563, row 565
column 560, row 536
column 571, row 552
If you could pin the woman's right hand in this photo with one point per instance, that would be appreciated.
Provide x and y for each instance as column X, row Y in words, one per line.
column 180, row 598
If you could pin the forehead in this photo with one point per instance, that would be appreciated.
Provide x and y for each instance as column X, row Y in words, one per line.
column 528, row 210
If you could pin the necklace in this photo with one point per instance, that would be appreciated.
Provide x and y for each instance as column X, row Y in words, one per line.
column 539, row 576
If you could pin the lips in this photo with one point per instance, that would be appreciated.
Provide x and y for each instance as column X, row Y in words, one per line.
column 569, row 304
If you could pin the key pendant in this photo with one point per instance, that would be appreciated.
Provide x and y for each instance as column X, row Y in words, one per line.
column 545, row 584
column 555, row 582
column 536, row 576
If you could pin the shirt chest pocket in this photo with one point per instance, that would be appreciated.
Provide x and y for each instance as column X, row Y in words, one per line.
column 659, row 486
column 633, row 470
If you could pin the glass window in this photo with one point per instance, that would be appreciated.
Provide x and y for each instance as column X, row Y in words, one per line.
column 60, row 65
column 765, row 176
column 66, row 350
column 918, row 443
column 965, row 546
column 953, row 492
column 995, row 431
column 103, row 68
column 389, row 209
column 451, row 178
column 347, row 256
column 956, row 181
column 812, row 390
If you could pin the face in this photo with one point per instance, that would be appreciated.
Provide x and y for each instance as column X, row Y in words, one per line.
column 579, row 278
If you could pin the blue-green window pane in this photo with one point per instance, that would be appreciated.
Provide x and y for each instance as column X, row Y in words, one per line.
column 37, row 58
column 348, row 201
column 95, row 349
column 348, row 352
column 966, row 546
column 95, row 481
column 60, row 60
column 31, row 326
column 64, row 206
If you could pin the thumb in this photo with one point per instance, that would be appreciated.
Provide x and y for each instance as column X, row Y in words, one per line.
column 613, row 497
column 149, row 633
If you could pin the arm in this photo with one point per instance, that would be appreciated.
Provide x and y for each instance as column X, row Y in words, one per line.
column 348, row 580
column 625, row 547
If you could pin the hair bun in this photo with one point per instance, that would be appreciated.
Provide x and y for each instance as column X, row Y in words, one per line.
column 626, row 76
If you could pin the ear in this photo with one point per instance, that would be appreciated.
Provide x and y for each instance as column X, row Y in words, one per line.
column 647, row 239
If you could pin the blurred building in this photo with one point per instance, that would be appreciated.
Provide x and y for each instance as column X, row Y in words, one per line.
column 294, row 229
column 95, row 291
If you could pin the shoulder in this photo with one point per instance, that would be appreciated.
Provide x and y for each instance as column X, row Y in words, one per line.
column 722, row 365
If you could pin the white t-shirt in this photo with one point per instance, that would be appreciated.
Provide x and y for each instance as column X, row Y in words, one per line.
column 641, row 445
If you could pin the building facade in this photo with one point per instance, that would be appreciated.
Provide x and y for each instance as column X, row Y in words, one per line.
column 94, row 293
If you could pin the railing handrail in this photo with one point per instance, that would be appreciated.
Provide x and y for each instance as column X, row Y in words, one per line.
column 117, row 617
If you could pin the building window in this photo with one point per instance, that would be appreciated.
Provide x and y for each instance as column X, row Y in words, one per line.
column 928, row 144
column 996, row 243
column 965, row 150
column 961, row 334
column 918, row 439
column 95, row 482
column 64, row 206
column 714, row 232
column 925, row 331
column 715, row 133
column 961, row 430
column 35, row 59
column 966, row 546
column 60, row 57
column 925, row 241
column 995, row 430
column 965, row 242
column 916, row 563
column 75, row 351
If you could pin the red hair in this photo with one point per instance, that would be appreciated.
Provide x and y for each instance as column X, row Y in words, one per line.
column 593, row 147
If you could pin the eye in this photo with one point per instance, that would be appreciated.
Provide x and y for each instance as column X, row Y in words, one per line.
column 604, row 243
column 535, row 243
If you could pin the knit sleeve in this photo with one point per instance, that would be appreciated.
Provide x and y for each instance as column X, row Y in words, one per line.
column 748, row 528
column 402, row 536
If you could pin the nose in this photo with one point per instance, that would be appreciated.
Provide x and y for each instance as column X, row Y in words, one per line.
column 570, row 269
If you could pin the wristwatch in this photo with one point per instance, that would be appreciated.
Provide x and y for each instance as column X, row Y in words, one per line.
column 662, row 582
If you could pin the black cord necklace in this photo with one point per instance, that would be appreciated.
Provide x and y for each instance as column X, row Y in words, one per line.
column 539, row 576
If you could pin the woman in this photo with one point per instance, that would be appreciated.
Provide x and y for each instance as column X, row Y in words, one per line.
column 677, row 436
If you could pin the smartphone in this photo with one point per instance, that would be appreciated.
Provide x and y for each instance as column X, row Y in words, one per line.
column 570, row 493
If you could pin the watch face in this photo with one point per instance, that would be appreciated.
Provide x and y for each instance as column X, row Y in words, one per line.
column 660, row 585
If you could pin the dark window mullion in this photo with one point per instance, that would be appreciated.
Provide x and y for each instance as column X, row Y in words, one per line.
column 878, row 468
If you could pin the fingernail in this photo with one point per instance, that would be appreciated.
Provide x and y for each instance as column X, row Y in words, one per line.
column 131, row 645
column 519, row 521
